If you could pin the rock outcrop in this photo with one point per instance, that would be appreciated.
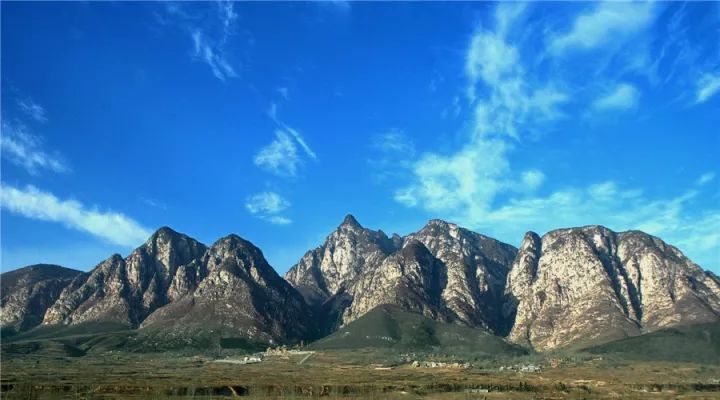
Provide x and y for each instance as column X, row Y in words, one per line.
column 241, row 296
column 583, row 286
column 443, row 271
column 126, row 291
column 347, row 252
column 27, row 293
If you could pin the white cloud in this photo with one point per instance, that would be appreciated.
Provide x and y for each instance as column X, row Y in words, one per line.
column 606, row 22
column 280, row 156
column 533, row 179
column 707, row 87
column 606, row 203
column 394, row 141
column 33, row 203
column 706, row 178
column 210, row 31
column 205, row 50
column 515, row 97
column 511, row 97
column 267, row 205
column 32, row 109
column 622, row 97
column 284, row 93
column 22, row 148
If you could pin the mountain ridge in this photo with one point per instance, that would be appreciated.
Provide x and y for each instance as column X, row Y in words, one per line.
column 572, row 287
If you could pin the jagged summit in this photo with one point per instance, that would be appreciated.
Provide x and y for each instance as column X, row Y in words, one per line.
column 571, row 287
column 350, row 220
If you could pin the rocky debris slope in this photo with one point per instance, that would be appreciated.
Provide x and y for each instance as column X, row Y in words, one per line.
column 241, row 296
column 126, row 291
column 27, row 293
column 589, row 285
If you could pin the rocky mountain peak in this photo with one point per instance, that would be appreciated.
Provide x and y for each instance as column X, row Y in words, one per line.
column 350, row 220
column 589, row 284
column 531, row 242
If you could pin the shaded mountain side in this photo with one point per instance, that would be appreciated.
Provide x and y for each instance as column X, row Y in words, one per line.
column 27, row 293
column 389, row 326
column 691, row 343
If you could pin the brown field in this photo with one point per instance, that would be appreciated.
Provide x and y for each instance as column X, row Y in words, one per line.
column 331, row 375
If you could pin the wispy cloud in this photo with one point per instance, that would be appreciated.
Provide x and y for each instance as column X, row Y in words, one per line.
column 706, row 178
column 268, row 206
column 513, row 90
column 207, row 51
column 621, row 97
column 34, row 203
column 210, row 33
column 280, row 156
column 707, row 87
column 33, row 110
column 284, row 93
column 21, row 147
column 606, row 22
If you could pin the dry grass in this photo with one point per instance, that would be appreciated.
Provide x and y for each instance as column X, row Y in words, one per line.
column 331, row 375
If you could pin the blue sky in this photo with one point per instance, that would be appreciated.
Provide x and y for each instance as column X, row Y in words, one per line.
column 274, row 120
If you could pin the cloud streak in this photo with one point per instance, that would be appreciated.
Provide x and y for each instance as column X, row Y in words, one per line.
column 268, row 206
column 515, row 90
column 33, row 203
column 24, row 149
column 622, row 97
column 33, row 110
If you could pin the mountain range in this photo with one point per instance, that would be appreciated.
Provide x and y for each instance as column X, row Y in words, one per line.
column 570, row 288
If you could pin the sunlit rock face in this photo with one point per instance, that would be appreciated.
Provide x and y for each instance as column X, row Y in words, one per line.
column 476, row 268
column 126, row 291
column 443, row 271
column 241, row 296
column 347, row 252
column 28, row 292
column 580, row 286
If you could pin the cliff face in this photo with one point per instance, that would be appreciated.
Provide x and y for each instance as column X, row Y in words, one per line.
column 347, row 252
column 443, row 271
column 241, row 296
column 28, row 292
column 590, row 285
column 127, row 290
column 570, row 288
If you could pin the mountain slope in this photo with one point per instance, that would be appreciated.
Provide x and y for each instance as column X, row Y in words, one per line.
column 689, row 343
column 27, row 293
column 588, row 285
column 242, row 296
column 346, row 253
column 125, row 291
column 476, row 268
column 389, row 326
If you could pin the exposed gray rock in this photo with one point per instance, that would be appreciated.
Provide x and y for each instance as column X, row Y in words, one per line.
column 443, row 271
column 476, row 268
column 346, row 253
column 590, row 285
column 241, row 296
column 125, row 291
column 27, row 293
